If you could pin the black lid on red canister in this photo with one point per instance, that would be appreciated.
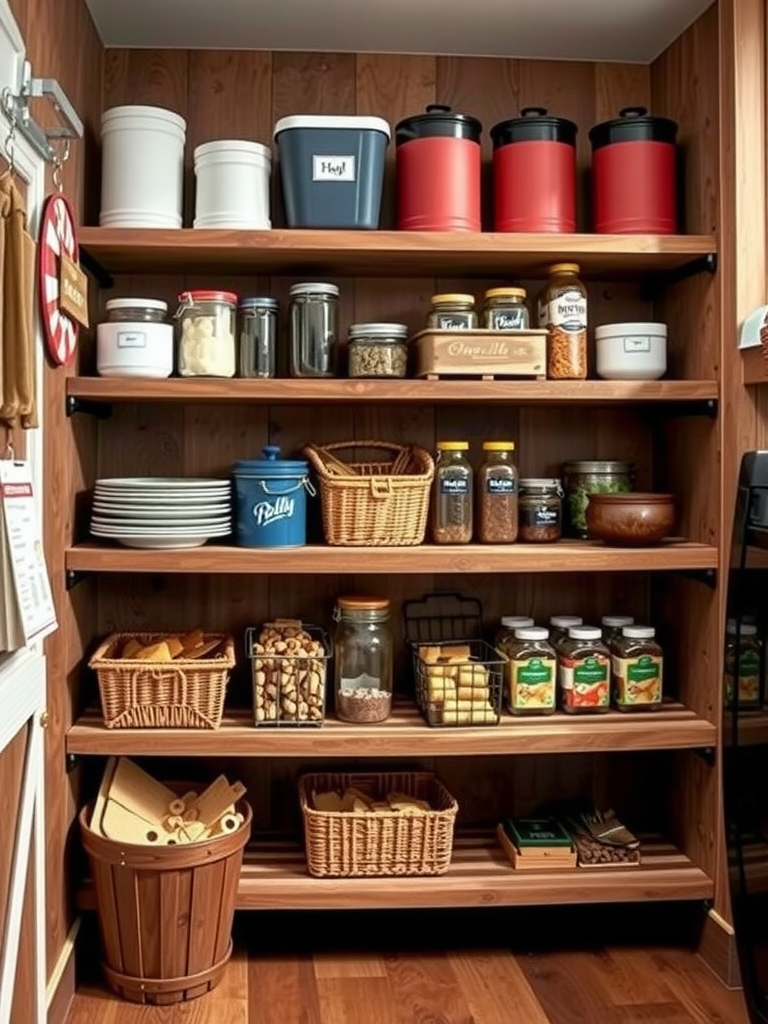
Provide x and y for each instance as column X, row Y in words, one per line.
column 438, row 121
column 534, row 125
column 634, row 124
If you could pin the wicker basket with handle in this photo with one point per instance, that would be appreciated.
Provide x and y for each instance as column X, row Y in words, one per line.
column 381, row 502
column 186, row 693
column 348, row 844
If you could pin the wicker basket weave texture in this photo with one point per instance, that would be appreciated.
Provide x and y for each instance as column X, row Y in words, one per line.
column 186, row 693
column 358, row 844
column 383, row 502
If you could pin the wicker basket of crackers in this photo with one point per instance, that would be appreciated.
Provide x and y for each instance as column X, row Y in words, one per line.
column 163, row 680
column 375, row 824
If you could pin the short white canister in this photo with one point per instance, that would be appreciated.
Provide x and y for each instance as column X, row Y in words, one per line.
column 135, row 340
column 142, row 172
column 232, row 184
column 631, row 351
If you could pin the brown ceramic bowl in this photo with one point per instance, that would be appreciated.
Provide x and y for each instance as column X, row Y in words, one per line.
column 630, row 520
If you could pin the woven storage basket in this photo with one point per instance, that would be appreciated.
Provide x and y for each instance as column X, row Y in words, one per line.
column 383, row 502
column 348, row 844
column 186, row 693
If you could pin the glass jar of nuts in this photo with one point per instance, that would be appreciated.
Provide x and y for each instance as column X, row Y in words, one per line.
column 378, row 350
column 497, row 493
column 363, row 659
column 452, row 494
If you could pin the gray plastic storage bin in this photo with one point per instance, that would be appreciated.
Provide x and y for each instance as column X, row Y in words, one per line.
column 332, row 169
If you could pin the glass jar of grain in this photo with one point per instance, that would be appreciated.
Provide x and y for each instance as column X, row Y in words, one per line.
column 452, row 494
column 565, row 303
column 497, row 494
column 363, row 659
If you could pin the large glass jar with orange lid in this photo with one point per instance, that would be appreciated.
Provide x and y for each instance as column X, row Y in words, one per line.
column 565, row 302
column 362, row 659
column 452, row 312
column 452, row 494
column 497, row 494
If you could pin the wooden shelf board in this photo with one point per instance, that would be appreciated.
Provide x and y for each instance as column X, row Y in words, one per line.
column 342, row 390
column 754, row 366
column 274, row 877
column 405, row 734
column 565, row 556
column 391, row 253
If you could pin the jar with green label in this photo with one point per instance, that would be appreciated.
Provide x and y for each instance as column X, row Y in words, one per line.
column 743, row 658
column 584, row 667
column 636, row 669
column 531, row 672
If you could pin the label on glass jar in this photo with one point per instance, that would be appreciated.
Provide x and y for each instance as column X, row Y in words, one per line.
column 532, row 684
column 333, row 168
column 500, row 485
column 507, row 319
column 637, row 680
column 569, row 311
column 131, row 339
column 454, row 485
column 539, row 515
column 453, row 321
column 585, row 681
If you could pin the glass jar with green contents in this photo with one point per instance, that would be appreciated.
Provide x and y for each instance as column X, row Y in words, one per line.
column 636, row 669
column 743, row 658
column 531, row 672
column 592, row 476
column 584, row 666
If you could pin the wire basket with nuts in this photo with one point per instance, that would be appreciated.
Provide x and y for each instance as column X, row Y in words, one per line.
column 288, row 662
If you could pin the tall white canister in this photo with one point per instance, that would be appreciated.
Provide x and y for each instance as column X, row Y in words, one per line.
column 232, row 184
column 142, row 173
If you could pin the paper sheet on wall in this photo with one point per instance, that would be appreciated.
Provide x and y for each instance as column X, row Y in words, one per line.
column 28, row 610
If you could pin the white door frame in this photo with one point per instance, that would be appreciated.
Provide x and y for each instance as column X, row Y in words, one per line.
column 22, row 673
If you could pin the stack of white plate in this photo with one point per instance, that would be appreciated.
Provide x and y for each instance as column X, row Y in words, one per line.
column 161, row 512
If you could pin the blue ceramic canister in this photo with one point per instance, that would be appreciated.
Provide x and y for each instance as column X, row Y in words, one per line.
column 271, row 501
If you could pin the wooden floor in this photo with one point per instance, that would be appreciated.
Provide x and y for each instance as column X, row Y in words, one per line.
column 391, row 968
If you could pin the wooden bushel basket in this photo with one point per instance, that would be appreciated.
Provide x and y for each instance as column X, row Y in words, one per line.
column 165, row 912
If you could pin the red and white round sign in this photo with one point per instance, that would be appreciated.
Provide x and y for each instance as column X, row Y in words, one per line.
column 57, row 235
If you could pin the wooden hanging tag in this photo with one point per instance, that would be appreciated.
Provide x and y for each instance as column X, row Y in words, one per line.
column 73, row 289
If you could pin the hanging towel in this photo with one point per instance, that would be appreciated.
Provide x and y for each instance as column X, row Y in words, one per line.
column 17, row 340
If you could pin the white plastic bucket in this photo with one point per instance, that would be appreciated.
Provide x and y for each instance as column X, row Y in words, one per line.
column 142, row 174
column 232, row 184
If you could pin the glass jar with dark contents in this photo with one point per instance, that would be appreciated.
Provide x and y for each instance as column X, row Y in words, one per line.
column 452, row 312
column 584, row 671
column 452, row 494
column 636, row 669
column 540, row 510
column 532, row 672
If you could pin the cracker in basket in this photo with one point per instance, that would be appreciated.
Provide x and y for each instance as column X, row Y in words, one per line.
column 428, row 653
column 154, row 652
column 327, row 801
column 175, row 646
column 193, row 639
column 131, row 647
column 406, row 804
column 355, row 800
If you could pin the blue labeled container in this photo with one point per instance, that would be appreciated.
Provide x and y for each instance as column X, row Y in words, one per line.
column 271, row 501
column 332, row 169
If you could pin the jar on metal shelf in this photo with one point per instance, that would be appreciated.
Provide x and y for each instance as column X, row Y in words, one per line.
column 363, row 659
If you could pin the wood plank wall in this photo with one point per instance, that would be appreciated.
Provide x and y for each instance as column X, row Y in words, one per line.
column 62, row 43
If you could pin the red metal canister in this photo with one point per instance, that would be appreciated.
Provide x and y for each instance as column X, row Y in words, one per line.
column 634, row 180
column 438, row 165
column 534, row 172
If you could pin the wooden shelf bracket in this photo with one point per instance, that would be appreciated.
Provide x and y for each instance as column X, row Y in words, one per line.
column 657, row 283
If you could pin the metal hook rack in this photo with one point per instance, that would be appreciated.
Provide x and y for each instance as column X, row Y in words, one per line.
column 16, row 106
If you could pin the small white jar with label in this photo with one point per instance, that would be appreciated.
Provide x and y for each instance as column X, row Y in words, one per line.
column 135, row 340
column 631, row 351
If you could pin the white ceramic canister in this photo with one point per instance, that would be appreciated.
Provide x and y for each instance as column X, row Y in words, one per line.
column 142, row 172
column 631, row 351
column 135, row 341
column 232, row 184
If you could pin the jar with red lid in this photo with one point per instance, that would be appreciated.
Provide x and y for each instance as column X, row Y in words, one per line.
column 634, row 175
column 534, row 172
column 437, row 168
column 206, row 334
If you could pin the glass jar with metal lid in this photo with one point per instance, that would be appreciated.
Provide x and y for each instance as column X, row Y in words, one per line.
column 592, row 476
column 497, row 491
column 452, row 312
column 532, row 672
column 314, row 322
column 584, row 669
column 540, row 510
column 505, row 309
column 258, row 336
column 452, row 494
column 378, row 350
column 566, row 322
column 636, row 669
column 363, row 659
column 206, row 333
